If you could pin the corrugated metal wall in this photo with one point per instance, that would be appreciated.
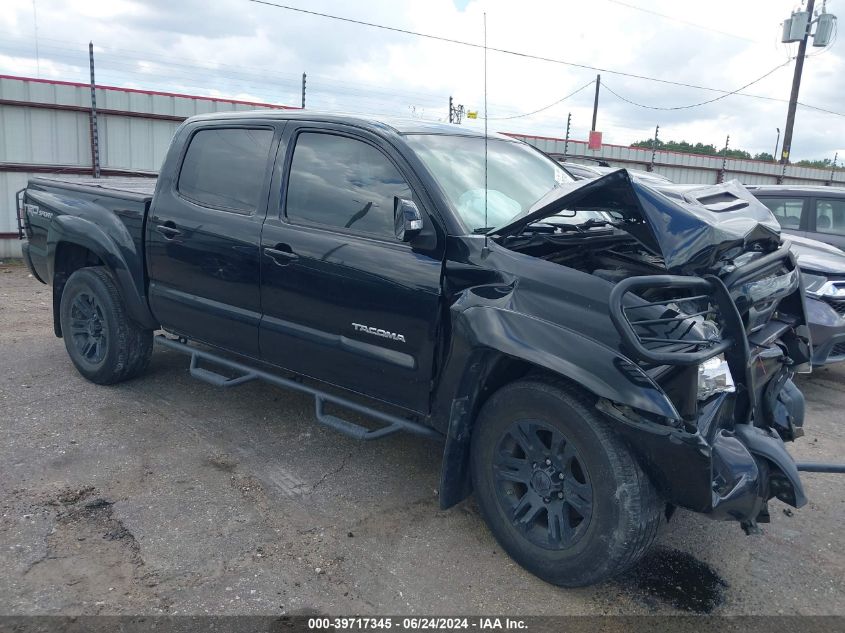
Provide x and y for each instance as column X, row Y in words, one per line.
column 44, row 126
column 687, row 168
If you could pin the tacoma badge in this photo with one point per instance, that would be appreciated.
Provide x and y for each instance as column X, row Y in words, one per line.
column 379, row 332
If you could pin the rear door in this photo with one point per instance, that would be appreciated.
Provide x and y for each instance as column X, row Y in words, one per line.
column 203, row 233
column 828, row 217
column 344, row 301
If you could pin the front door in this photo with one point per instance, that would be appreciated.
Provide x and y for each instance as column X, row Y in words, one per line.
column 203, row 235
column 344, row 300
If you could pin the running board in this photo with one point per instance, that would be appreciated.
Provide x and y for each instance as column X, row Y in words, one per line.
column 213, row 378
column 820, row 467
column 245, row 374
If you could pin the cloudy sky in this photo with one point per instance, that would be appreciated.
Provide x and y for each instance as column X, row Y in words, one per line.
column 241, row 49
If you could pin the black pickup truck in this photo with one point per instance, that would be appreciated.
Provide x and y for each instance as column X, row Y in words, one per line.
column 591, row 354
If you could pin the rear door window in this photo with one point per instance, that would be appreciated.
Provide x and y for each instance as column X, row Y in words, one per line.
column 224, row 168
column 830, row 216
column 788, row 211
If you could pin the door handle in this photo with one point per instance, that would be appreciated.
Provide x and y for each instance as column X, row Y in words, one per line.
column 281, row 257
column 168, row 230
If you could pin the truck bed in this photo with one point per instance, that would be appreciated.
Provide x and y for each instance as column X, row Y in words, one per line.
column 114, row 206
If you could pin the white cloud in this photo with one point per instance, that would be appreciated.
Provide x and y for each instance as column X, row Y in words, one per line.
column 234, row 47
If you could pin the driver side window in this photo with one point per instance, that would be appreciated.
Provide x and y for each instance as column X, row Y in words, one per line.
column 342, row 182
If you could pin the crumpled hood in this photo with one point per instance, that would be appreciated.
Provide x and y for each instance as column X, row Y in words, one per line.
column 817, row 256
column 691, row 226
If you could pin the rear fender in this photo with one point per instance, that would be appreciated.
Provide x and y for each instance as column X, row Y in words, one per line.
column 115, row 252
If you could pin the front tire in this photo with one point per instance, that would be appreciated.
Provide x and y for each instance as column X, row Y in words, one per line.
column 104, row 344
column 562, row 494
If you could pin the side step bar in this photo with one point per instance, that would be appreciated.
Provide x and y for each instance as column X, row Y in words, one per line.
column 393, row 424
column 820, row 467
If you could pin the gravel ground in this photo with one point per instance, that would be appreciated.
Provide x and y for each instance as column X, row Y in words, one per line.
column 167, row 496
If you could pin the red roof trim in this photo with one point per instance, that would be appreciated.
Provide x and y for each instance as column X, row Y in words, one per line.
column 77, row 84
column 572, row 140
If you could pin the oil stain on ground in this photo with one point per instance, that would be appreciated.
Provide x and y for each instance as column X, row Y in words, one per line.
column 677, row 578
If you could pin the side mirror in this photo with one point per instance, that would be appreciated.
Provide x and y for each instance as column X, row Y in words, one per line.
column 407, row 219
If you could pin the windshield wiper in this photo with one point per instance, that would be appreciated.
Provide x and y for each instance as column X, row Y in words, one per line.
column 581, row 226
column 483, row 229
column 592, row 222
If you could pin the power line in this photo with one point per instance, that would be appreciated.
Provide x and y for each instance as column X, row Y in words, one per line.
column 504, row 51
column 700, row 103
column 811, row 107
column 499, row 50
column 561, row 100
column 217, row 70
column 682, row 21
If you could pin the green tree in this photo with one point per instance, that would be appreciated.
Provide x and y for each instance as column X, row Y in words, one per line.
column 825, row 163
column 679, row 146
column 712, row 150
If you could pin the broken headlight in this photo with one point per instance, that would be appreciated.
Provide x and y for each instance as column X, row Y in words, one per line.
column 714, row 376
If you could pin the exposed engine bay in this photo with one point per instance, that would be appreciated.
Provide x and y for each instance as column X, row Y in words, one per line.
column 606, row 253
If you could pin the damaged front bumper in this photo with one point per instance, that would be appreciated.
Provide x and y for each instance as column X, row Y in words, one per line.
column 725, row 456
column 724, row 470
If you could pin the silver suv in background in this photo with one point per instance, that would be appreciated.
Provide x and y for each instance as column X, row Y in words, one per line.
column 813, row 219
column 823, row 272
column 814, row 212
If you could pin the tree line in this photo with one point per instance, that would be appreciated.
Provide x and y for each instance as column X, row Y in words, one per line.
column 711, row 150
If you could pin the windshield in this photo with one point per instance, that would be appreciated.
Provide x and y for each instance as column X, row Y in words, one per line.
column 517, row 175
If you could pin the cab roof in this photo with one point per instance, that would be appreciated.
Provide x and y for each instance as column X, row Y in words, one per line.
column 373, row 123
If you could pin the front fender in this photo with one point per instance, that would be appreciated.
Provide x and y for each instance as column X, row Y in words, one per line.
column 598, row 368
column 481, row 334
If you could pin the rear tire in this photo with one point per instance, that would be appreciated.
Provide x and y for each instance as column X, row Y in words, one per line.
column 562, row 494
column 104, row 344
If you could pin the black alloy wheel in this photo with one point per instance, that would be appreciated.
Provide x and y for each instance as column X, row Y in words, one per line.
column 87, row 327
column 104, row 343
column 543, row 484
column 561, row 491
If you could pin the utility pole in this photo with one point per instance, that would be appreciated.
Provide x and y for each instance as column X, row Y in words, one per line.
column 37, row 55
column 566, row 140
column 796, row 85
column 833, row 168
column 777, row 142
column 303, row 91
column 596, row 102
column 456, row 113
column 654, row 147
column 92, row 118
column 721, row 177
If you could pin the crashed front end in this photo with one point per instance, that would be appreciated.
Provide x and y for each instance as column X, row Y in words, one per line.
column 725, row 350
column 722, row 333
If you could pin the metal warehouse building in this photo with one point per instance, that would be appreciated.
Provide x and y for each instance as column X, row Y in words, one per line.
column 689, row 168
column 45, row 127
